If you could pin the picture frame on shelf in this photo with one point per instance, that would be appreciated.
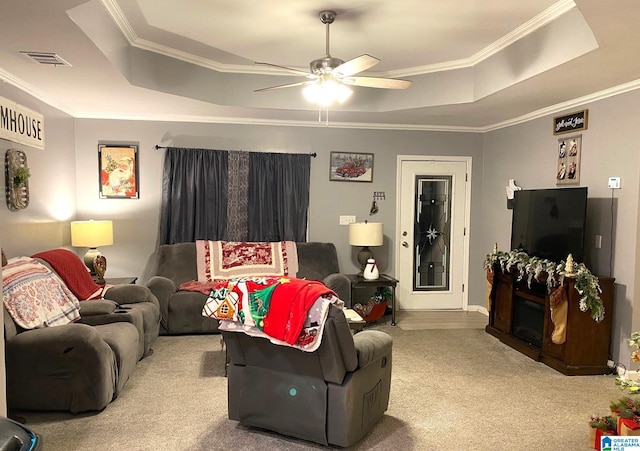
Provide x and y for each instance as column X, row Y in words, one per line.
column 569, row 153
column 351, row 167
column 118, row 171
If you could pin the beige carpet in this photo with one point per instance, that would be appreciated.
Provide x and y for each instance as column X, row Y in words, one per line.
column 451, row 390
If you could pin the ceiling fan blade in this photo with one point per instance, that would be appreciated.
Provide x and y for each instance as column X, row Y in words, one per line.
column 355, row 65
column 373, row 82
column 287, row 69
column 289, row 85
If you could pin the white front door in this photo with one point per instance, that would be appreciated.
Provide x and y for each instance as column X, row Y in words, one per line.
column 432, row 250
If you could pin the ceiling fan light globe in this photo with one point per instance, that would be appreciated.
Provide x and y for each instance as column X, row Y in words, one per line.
column 311, row 92
column 326, row 92
column 342, row 92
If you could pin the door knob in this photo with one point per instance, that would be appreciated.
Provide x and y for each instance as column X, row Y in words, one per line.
column 405, row 244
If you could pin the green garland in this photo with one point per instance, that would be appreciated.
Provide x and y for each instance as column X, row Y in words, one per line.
column 586, row 284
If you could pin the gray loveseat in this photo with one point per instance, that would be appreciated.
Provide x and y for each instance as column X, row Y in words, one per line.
column 181, row 311
column 334, row 395
column 84, row 365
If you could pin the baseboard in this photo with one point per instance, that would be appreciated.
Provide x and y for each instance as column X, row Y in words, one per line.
column 478, row 308
column 629, row 374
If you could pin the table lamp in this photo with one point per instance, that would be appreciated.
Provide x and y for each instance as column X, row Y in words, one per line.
column 365, row 234
column 92, row 234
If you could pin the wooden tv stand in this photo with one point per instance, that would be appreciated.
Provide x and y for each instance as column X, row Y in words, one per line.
column 586, row 349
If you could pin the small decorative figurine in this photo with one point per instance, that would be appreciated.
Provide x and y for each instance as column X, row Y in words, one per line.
column 371, row 270
column 100, row 267
column 568, row 267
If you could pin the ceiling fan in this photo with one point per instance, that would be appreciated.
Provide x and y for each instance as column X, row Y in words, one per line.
column 328, row 75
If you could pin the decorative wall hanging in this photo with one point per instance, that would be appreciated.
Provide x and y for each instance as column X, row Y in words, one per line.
column 20, row 124
column 569, row 152
column 351, row 167
column 16, row 173
column 571, row 122
column 118, row 171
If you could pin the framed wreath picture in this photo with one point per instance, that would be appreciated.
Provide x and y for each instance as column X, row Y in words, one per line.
column 351, row 167
column 569, row 153
column 118, row 171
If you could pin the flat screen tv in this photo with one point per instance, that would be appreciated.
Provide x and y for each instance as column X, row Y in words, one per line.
column 550, row 223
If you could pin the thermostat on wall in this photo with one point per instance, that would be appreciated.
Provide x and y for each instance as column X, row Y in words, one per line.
column 614, row 182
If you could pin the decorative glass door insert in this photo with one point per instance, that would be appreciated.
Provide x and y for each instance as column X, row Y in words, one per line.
column 432, row 232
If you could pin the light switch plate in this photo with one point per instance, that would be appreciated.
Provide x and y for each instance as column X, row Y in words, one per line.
column 346, row 220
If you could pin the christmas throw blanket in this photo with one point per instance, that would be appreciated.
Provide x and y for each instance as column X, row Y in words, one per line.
column 218, row 261
column 35, row 297
column 73, row 272
column 285, row 310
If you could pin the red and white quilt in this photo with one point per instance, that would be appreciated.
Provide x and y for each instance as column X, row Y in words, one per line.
column 218, row 260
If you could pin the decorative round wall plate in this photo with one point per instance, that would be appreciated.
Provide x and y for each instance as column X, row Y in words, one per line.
column 17, row 183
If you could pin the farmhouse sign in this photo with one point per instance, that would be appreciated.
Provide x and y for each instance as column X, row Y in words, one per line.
column 570, row 122
column 20, row 124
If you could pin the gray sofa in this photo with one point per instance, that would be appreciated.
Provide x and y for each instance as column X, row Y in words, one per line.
column 334, row 395
column 81, row 366
column 181, row 311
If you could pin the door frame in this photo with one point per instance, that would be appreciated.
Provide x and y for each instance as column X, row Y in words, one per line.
column 467, row 212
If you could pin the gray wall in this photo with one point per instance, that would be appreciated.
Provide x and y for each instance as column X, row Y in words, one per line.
column 136, row 221
column 64, row 186
column 52, row 186
column 528, row 154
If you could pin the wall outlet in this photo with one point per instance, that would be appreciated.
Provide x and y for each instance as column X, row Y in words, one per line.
column 346, row 220
column 614, row 182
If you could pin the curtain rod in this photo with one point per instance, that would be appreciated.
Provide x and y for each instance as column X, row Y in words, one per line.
column 158, row 147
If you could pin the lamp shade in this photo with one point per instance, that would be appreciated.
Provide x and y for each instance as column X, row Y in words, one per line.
column 91, row 233
column 365, row 234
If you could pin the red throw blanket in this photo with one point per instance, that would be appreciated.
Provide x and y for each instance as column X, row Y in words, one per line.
column 289, row 306
column 73, row 273
column 289, row 310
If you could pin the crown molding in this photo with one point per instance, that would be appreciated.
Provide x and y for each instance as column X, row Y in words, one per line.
column 35, row 92
column 547, row 16
column 573, row 103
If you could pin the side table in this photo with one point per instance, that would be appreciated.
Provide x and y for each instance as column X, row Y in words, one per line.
column 382, row 281
column 120, row 280
column 356, row 323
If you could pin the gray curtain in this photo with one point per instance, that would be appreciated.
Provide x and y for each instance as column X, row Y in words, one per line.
column 278, row 196
column 194, row 195
column 234, row 196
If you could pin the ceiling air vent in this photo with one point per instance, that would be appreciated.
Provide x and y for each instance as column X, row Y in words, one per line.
column 46, row 58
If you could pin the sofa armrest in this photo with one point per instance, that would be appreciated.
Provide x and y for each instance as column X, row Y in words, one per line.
column 341, row 285
column 371, row 345
column 163, row 288
column 72, row 364
column 58, row 340
column 131, row 294
column 97, row 307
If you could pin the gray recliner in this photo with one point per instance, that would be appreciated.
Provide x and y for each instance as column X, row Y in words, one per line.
column 334, row 395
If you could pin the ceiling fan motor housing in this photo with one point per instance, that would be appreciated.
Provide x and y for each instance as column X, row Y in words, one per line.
column 324, row 65
column 327, row 16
